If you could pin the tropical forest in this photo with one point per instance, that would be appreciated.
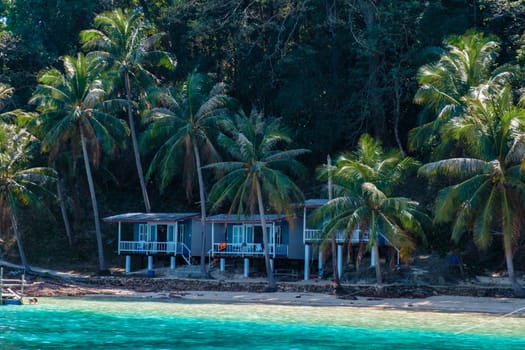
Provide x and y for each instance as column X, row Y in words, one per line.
column 405, row 115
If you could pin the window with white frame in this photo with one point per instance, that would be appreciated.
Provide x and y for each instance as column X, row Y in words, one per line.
column 142, row 232
column 171, row 236
column 248, row 229
column 237, row 234
column 152, row 237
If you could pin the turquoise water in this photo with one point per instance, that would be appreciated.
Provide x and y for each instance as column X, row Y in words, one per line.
column 83, row 323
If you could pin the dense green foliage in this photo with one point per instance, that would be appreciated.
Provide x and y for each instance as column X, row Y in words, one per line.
column 20, row 184
column 70, row 106
column 184, row 123
column 258, row 176
column 415, row 75
column 364, row 184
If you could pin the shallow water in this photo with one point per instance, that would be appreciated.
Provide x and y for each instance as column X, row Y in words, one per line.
column 83, row 323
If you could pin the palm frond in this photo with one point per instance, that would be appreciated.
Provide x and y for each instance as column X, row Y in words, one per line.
column 483, row 224
column 286, row 154
column 456, row 167
column 160, row 58
column 462, row 222
column 452, row 197
column 225, row 166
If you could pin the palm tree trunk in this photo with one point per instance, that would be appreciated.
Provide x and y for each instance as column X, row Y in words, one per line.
column 271, row 278
column 334, row 242
column 378, row 266
column 375, row 248
column 77, row 212
column 507, row 243
column 134, row 142
column 397, row 114
column 202, row 198
column 23, row 258
column 63, row 210
column 102, row 263
column 334, row 261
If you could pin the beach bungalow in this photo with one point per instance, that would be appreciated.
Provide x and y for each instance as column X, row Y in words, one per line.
column 231, row 238
column 237, row 237
column 312, row 240
column 155, row 235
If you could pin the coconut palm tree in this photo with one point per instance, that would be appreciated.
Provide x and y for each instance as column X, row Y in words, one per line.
column 70, row 113
column 467, row 63
column 364, row 182
column 184, row 123
column 20, row 184
column 123, row 39
column 489, row 195
column 257, row 177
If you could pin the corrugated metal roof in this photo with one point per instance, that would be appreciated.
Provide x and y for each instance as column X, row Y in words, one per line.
column 150, row 217
column 222, row 218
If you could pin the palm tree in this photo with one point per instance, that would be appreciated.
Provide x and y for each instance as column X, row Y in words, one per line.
column 126, row 42
column 23, row 118
column 20, row 184
column 69, row 105
column 185, row 122
column 364, row 181
column 489, row 195
column 467, row 64
column 258, row 174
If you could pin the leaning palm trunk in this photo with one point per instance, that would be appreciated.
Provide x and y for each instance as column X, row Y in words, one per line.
column 98, row 231
column 134, row 142
column 518, row 290
column 63, row 210
column 269, row 272
column 202, row 198
column 23, row 258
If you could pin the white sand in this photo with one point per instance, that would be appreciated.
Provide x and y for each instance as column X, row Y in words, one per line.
column 502, row 306
column 443, row 303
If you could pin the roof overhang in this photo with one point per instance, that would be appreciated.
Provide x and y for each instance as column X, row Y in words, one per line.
column 244, row 219
column 150, row 217
column 315, row 203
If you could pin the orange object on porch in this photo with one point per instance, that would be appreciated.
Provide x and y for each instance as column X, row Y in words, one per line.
column 222, row 246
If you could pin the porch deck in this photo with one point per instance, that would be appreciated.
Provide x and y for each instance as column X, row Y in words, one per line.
column 248, row 249
column 152, row 247
column 315, row 236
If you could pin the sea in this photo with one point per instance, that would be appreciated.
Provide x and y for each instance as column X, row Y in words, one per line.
column 113, row 323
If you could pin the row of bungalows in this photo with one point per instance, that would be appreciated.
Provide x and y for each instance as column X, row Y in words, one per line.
column 177, row 237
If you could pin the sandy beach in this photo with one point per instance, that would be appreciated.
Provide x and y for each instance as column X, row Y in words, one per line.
column 51, row 283
column 503, row 306
column 442, row 303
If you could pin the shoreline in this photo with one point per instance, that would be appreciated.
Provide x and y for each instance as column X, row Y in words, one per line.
column 504, row 307
column 313, row 294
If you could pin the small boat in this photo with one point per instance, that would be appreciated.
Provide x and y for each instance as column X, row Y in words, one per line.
column 12, row 302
